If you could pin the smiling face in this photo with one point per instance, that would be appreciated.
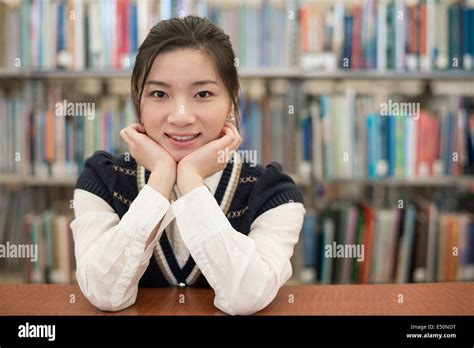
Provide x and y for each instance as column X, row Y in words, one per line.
column 184, row 102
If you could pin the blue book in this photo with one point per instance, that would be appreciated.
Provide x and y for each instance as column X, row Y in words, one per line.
column 468, row 37
column 133, row 28
column 454, row 37
column 264, row 33
column 372, row 126
column 324, row 103
column 60, row 38
column 307, row 127
column 80, row 142
column 309, row 236
column 383, row 138
column 347, row 47
column 448, row 143
column 392, row 145
column 470, row 243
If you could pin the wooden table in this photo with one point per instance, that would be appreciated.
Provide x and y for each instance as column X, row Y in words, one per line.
column 418, row 299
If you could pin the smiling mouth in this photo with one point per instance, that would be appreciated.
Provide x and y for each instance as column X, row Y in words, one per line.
column 183, row 138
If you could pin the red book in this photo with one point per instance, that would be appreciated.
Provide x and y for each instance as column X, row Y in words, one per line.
column 368, row 232
column 422, row 29
column 356, row 32
column 422, row 164
column 49, row 136
column 304, row 27
column 123, row 39
column 412, row 30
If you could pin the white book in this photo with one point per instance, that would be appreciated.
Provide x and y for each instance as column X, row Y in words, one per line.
column 346, row 150
column 400, row 34
column 62, row 250
column 142, row 20
column 166, row 9
column 410, row 149
column 317, row 141
column 441, row 34
column 291, row 33
column 382, row 35
column 327, row 261
column 338, row 34
column 201, row 8
column 96, row 49
column 79, row 35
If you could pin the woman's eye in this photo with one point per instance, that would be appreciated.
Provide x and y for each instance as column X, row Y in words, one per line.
column 158, row 94
column 204, row 94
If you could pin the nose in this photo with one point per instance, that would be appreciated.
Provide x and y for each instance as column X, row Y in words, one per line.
column 181, row 115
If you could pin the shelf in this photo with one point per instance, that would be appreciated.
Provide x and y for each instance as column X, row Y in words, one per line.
column 390, row 75
column 428, row 181
column 255, row 72
column 10, row 179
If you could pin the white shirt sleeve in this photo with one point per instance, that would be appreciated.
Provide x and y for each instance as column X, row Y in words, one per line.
column 110, row 252
column 245, row 272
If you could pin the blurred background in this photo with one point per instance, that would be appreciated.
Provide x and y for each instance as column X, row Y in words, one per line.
column 367, row 104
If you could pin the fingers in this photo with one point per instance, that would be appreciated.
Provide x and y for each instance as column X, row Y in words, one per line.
column 237, row 139
column 129, row 134
column 138, row 127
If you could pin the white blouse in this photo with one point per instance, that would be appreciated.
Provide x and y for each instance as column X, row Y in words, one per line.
column 244, row 271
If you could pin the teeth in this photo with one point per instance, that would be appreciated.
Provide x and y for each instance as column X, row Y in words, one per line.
column 190, row 137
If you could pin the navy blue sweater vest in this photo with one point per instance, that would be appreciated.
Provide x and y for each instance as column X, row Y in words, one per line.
column 255, row 190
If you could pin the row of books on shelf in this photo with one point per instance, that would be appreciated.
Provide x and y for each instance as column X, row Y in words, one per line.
column 55, row 260
column 106, row 34
column 35, row 238
column 366, row 34
column 57, row 141
column 387, row 35
column 339, row 135
column 346, row 137
column 76, row 34
column 358, row 243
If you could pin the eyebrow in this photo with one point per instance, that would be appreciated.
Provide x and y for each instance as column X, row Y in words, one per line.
column 195, row 83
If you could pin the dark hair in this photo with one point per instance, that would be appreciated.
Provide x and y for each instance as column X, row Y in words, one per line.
column 188, row 32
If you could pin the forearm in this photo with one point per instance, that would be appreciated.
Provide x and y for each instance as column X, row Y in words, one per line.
column 110, row 253
column 162, row 182
column 244, row 271
column 187, row 180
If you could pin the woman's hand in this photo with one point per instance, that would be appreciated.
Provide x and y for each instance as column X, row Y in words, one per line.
column 207, row 159
column 147, row 152
column 151, row 155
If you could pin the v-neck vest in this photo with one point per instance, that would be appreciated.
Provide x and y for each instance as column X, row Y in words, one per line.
column 243, row 193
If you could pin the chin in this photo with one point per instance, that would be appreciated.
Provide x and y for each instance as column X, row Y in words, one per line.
column 179, row 155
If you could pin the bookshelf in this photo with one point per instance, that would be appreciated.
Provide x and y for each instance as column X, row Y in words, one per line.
column 283, row 62
column 271, row 73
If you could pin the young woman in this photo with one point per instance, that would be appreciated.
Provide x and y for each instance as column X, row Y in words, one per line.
column 174, row 213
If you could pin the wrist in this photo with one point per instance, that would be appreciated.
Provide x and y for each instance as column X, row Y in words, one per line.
column 163, row 182
column 187, row 180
